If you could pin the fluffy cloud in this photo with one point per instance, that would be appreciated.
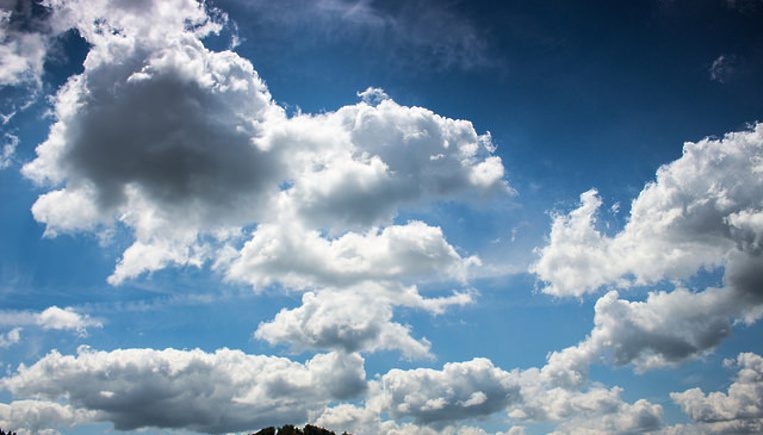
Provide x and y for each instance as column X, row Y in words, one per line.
column 354, row 319
column 10, row 338
column 693, row 215
column 620, row 418
column 38, row 417
column 444, row 401
column 299, row 258
column 185, row 146
column 739, row 410
column 209, row 392
column 703, row 211
column 51, row 318
column 65, row 319
column 458, row 391
column 362, row 162
column 560, row 392
column 22, row 53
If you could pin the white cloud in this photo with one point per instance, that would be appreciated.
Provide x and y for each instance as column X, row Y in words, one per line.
column 445, row 401
column 209, row 392
column 22, row 53
column 65, row 319
column 158, row 133
column 10, row 338
column 354, row 319
column 681, row 222
column 458, row 391
column 739, row 410
column 297, row 257
column 621, row 418
column 10, row 142
column 39, row 417
column 703, row 211
column 184, row 146
column 51, row 318
column 560, row 392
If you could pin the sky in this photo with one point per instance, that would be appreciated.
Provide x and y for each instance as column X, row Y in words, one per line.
column 398, row 217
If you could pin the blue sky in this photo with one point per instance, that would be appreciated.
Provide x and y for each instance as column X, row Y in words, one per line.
column 381, row 217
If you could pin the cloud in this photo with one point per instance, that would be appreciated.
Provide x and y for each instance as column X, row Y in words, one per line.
column 443, row 401
column 354, row 319
column 621, row 418
column 10, row 142
column 696, row 214
column 158, row 133
column 65, row 319
column 22, row 52
column 701, row 212
column 184, row 146
column 739, row 410
column 723, row 68
column 39, row 417
column 10, row 338
column 460, row 390
column 215, row 392
column 229, row 390
column 51, row 318
column 299, row 258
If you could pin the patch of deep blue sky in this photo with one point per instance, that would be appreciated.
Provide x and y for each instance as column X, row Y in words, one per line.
column 575, row 94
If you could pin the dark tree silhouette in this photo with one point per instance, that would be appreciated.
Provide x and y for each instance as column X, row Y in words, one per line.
column 288, row 429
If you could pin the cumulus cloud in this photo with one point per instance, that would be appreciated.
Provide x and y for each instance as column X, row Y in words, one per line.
column 215, row 392
column 301, row 258
column 739, row 410
column 22, row 51
column 65, row 319
column 701, row 212
column 621, row 418
column 157, row 133
column 185, row 146
column 458, row 391
column 355, row 319
column 39, row 417
column 444, row 401
column 51, row 318
column 689, row 218
column 561, row 392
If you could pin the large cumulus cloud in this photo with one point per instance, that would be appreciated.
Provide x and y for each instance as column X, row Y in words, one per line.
column 183, row 147
column 354, row 319
column 739, row 410
column 440, row 401
column 700, row 211
column 209, row 392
